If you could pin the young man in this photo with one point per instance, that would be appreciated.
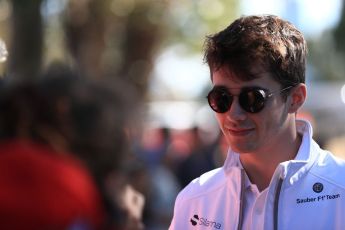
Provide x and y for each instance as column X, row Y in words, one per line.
column 275, row 175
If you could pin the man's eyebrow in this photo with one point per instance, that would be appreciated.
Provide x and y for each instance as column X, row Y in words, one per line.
column 254, row 86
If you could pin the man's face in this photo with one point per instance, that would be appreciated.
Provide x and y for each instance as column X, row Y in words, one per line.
column 248, row 132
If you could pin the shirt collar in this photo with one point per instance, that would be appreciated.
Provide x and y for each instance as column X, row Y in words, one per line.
column 304, row 128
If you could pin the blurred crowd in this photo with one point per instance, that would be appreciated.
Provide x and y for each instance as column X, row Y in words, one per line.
column 171, row 158
column 75, row 154
column 64, row 148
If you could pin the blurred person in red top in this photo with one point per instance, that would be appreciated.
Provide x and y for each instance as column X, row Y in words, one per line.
column 44, row 189
column 62, row 150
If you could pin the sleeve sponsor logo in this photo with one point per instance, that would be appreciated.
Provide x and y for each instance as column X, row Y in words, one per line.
column 196, row 220
column 317, row 187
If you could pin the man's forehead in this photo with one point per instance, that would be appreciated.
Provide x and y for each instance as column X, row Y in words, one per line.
column 242, row 76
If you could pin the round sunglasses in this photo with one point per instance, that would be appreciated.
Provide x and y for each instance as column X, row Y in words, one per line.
column 251, row 100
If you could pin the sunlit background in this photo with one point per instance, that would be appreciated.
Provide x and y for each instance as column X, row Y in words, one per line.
column 156, row 45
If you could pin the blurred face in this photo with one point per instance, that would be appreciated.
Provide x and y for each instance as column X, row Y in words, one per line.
column 248, row 132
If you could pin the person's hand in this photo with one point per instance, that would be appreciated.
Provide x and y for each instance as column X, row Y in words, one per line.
column 133, row 203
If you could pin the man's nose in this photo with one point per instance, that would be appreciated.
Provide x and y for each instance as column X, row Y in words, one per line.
column 236, row 112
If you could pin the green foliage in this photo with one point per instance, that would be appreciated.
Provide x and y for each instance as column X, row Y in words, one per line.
column 327, row 62
column 190, row 21
column 327, row 53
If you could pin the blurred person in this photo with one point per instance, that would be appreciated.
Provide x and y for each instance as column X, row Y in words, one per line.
column 45, row 189
column 42, row 187
column 152, row 145
column 78, row 127
column 164, row 187
column 199, row 161
column 275, row 175
column 154, row 177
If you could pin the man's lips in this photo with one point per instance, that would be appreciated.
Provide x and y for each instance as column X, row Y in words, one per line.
column 239, row 131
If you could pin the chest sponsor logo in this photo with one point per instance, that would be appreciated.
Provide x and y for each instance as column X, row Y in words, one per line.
column 196, row 220
column 319, row 198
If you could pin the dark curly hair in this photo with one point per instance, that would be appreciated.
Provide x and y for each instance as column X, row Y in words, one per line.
column 260, row 42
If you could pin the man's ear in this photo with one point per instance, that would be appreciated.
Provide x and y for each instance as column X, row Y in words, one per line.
column 297, row 97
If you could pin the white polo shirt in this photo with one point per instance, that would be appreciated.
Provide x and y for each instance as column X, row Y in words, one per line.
column 254, row 206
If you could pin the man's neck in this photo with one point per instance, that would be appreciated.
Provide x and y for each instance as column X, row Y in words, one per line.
column 260, row 166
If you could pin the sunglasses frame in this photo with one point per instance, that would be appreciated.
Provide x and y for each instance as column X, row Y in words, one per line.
column 248, row 108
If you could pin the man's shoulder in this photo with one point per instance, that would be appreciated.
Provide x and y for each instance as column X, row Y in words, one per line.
column 331, row 168
column 203, row 185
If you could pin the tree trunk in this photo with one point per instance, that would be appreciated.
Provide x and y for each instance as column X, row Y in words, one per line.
column 25, row 52
column 85, row 35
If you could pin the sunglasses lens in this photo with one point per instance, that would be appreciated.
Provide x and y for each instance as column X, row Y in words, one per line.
column 252, row 101
column 219, row 100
